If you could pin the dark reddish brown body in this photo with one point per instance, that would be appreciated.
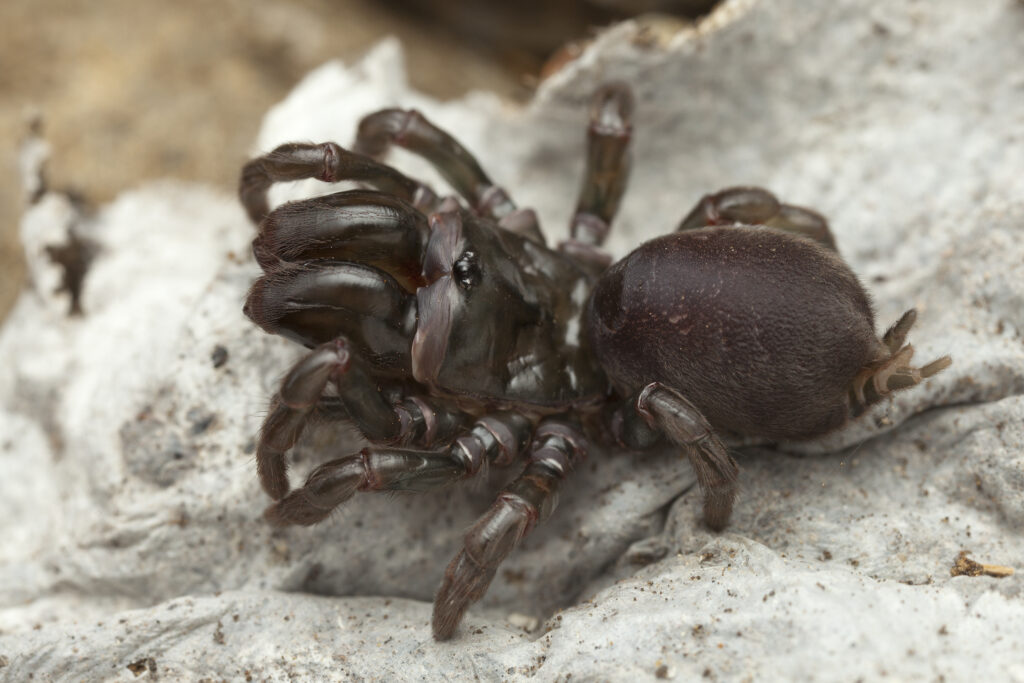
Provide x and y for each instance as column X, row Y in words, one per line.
column 750, row 323
column 455, row 339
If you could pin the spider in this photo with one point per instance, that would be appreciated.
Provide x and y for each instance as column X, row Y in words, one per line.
column 455, row 339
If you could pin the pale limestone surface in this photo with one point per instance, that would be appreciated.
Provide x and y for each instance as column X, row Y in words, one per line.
column 130, row 512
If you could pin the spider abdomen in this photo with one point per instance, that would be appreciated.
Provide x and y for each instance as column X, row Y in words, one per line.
column 763, row 331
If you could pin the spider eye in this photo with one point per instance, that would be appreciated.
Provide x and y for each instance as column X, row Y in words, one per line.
column 467, row 271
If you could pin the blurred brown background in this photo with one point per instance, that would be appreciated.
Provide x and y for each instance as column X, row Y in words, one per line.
column 131, row 90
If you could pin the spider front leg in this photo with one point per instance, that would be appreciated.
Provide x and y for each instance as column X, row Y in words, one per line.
column 659, row 411
column 327, row 162
column 495, row 439
column 755, row 206
column 413, row 420
column 556, row 448
column 315, row 302
column 364, row 226
column 410, row 130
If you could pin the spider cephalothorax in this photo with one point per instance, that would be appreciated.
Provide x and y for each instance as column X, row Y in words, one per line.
column 452, row 328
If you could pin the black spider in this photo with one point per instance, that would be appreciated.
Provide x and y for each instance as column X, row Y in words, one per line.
column 456, row 329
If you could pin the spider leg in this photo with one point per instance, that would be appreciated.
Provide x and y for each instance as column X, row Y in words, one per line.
column 495, row 439
column 315, row 302
column 364, row 226
column 410, row 130
column 658, row 410
column 301, row 396
column 879, row 380
column 531, row 498
column 327, row 162
column 608, row 164
column 755, row 206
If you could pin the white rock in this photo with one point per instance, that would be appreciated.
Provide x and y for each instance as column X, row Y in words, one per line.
column 129, row 508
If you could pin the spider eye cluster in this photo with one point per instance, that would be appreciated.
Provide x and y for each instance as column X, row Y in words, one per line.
column 466, row 270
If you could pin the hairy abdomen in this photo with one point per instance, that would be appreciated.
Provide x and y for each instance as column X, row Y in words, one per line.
column 763, row 331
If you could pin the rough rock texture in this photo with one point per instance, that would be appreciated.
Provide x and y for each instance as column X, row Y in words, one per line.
column 132, row 543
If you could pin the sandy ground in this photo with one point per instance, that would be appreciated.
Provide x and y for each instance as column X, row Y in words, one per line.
column 132, row 91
